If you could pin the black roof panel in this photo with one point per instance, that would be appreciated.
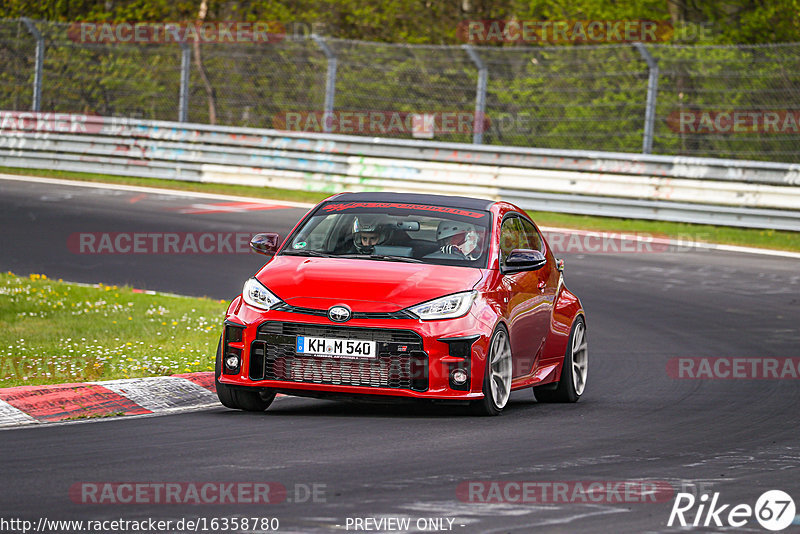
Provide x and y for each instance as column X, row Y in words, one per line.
column 418, row 198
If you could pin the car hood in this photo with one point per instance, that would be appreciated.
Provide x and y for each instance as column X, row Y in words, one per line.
column 363, row 285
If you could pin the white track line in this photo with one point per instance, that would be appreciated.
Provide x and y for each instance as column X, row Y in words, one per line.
column 153, row 190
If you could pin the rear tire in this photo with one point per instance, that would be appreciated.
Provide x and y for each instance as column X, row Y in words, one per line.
column 572, row 382
column 238, row 399
column 496, row 377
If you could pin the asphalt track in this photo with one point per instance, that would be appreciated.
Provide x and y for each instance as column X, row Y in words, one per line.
column 736, row 437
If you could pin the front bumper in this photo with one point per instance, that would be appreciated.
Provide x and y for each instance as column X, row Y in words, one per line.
column 416, row 359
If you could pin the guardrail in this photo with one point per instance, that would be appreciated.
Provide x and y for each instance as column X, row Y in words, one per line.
column 698, row 190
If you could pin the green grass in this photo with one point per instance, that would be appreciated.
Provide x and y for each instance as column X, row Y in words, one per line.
column 54, row 332
column 95, row 415
column 772, row 239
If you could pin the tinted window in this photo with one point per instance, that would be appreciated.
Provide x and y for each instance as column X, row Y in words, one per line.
column 511, row 237
column 532, row 237
column 517, row 232
column 395, row 231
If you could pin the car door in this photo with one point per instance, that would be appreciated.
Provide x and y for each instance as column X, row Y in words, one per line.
column 546, row 284
column 526, row 302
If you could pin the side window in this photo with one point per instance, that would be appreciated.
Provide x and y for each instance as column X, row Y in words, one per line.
column 315, row 234
column 534, row 240
column 511, row 237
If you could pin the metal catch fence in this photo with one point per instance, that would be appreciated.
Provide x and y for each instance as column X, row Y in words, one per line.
column 739, row 102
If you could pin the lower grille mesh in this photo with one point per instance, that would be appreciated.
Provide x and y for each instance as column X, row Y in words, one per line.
column 383, row 372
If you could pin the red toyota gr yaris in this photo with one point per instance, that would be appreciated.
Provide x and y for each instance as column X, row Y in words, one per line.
column 392, row 296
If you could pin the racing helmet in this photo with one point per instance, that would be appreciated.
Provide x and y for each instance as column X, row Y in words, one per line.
column 370, row 229
column 458, row 235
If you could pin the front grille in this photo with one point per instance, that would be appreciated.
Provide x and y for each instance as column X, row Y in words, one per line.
column 402, row 314
column 400, row 364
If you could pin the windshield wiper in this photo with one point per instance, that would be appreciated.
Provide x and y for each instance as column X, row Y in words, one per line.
column 381, row 257
column 313, row 253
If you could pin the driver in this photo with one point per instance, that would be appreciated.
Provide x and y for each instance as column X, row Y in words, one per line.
column 369, row 230
column 458, row 238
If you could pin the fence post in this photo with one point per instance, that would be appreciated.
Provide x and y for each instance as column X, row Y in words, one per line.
column 479, row 121
column 652, row 95
column 183, row 97
column 39, row 66
column 330, row 81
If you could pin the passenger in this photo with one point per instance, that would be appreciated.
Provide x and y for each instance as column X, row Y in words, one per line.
column 459, row 239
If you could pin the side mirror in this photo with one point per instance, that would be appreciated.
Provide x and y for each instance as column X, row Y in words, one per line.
column 522, row 259
column 265, row 243
column 560, row 265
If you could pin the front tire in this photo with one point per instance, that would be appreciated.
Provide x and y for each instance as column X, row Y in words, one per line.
column 238, row 399
column 572, row 382
column 496, row 377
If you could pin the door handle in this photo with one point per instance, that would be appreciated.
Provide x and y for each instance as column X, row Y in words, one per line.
column 542, row 284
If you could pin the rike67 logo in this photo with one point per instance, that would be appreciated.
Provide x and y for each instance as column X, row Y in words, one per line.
column 774, row 510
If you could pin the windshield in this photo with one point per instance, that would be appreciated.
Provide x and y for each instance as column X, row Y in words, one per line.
column 385, row 231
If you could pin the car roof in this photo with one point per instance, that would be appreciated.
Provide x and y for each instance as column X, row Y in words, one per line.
column 417, row 198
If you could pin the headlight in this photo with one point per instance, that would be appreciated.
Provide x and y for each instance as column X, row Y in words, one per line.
column 448, row 307
column 256, row 295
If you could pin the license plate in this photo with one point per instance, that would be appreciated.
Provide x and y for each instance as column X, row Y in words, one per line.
column 336, row 348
